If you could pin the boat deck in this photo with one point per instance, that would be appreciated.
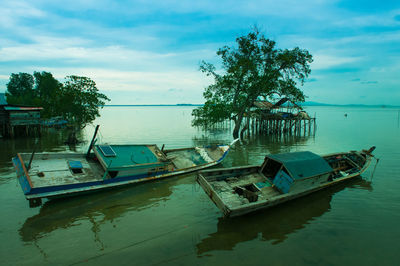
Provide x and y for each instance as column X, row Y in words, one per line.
column 254, row 181
column 282, row 177
column 52, row 170
column 186, row 158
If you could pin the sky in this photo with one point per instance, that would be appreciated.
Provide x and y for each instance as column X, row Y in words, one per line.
column 149, row 52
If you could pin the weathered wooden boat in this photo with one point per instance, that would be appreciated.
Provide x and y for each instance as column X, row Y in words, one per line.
column 54, row 175
column 281, row 177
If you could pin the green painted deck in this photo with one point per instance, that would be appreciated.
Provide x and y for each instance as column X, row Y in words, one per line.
column 130, row 156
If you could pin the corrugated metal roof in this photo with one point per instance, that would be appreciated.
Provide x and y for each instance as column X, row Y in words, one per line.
column 3, row 99
column 266, row 105
column 263, row 105
column 302, row 164
column 280, row 102
column 19, row 108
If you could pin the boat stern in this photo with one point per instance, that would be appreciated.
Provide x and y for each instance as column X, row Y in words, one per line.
column 22, row 174
column 225, row 149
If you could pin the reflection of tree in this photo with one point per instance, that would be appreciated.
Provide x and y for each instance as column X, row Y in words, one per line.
column 274, row 224
column 96, row 208
column 215, row 136
column 253, row 149
column 51, row 140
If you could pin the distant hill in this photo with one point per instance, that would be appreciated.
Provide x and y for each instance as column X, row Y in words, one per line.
column 314, row 104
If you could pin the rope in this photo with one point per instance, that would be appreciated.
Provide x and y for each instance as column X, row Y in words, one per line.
column 373, row 171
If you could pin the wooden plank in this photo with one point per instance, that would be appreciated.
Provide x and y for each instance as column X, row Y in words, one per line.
column 25, row 171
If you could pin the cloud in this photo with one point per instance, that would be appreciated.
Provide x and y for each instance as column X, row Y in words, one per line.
column 145, row 47
column 326, row 61
column 311, row 80
column 369, row 82
column 174, row 90
column 117, row 80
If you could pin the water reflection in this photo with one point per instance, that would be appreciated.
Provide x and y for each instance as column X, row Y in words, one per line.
column 274, row 224
column 252, row 150
column 51, row 140
column 259, row 146
column 96, row 208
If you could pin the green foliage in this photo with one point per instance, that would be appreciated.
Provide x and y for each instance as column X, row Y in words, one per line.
column 48, row 90
column 210, row 113
column 80, row 100
column 41, row 89
column 255, row 68
column 77, row 100
column 20, row 89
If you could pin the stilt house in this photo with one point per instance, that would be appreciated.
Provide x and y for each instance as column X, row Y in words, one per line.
column 19, row 118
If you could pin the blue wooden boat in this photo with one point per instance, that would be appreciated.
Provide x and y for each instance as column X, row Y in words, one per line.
column 282, row 177
column 54, row 175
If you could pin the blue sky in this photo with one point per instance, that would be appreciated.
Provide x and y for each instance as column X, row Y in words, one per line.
column 146, row 52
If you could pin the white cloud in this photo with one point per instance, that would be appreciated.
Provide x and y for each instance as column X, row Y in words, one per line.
column 150, row 81
column 325, row 61
column 386, row 19
column 69, row 51
column 145, row 46
column 12, row 11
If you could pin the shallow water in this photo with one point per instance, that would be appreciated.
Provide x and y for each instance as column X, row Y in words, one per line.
column 172, row 221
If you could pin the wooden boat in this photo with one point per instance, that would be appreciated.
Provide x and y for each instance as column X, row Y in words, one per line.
column 281, row 177
column 54, row 175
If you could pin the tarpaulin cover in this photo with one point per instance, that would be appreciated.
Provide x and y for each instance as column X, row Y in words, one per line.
column 302, row 164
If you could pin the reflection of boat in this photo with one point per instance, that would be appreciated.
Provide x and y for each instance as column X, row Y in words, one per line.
column 282, row 177
column 105, row 206
column 277, row 224
column 53, row 175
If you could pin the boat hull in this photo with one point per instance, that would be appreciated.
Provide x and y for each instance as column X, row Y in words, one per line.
column 228, row 200
column 43, row 181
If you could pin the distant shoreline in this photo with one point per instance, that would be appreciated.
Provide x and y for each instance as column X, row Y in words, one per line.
column 122, row 105
column 306, row 104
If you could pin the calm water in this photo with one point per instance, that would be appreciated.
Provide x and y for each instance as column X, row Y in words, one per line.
column 173, row 222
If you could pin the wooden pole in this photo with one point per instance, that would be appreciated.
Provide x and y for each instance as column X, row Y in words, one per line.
column 93, row 140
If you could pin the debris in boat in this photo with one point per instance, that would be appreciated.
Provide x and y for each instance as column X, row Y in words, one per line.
column 204, row 154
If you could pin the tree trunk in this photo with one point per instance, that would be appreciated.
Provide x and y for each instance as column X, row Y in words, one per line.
column 238, row 123
column 236, row 130
column 72, row 139
column 246, row 127
column 72, row 136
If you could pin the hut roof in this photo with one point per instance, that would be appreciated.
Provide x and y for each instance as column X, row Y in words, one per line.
column 283, row 101
column 266, row 105
column 263, row 105
column 22, row 108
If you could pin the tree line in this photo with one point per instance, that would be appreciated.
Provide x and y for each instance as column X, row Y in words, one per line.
column 77, row 99
column 255, row 68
